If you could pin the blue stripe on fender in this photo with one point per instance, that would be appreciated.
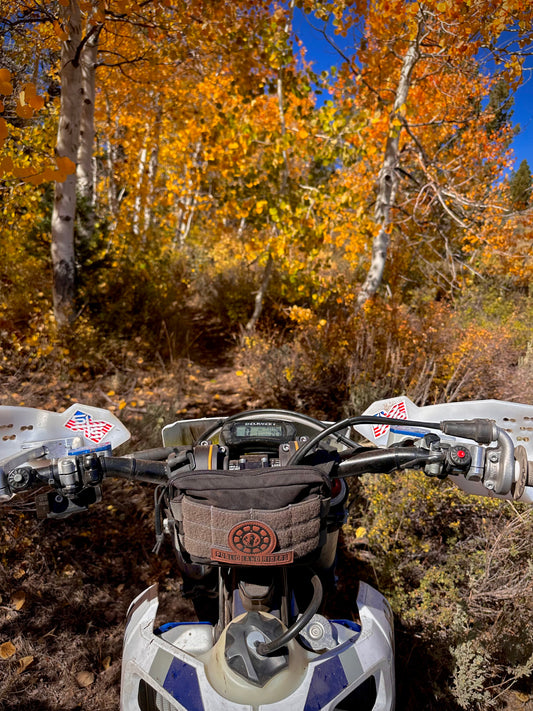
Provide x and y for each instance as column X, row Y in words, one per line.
column 328, row 680
column 181, row 682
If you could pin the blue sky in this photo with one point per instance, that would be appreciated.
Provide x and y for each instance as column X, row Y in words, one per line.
column 523, row 114
column 324, row 56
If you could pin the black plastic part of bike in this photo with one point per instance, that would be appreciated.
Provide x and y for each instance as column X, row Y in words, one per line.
column 241, row 654
column 151, row 472
column 52, row 504
column 480, row 430
column 21, row 478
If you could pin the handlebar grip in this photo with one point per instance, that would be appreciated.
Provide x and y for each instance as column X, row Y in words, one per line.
column 155, row 454
column 481, row 431
column 149, row 471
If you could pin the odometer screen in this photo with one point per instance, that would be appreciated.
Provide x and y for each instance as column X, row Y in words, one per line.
column 254, row 435
column 259, row 429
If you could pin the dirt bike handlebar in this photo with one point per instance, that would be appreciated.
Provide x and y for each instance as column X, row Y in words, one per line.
column 73, row 473
column 146, row 470
column 383, row 461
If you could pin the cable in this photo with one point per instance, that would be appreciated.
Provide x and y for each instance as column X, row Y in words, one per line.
column 266, row 648
column 268, row 412
column 348, row 422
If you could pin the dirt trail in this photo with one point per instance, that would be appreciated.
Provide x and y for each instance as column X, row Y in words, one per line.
column 144, row 397
column 217, row 391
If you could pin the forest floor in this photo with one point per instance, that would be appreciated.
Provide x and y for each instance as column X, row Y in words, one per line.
column 66, row 585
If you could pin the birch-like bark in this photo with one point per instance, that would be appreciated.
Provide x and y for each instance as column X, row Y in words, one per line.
column 388, row 178
column 188, row 202
column 85, row 168
column 64, row 209
column 153, row 165
column 137, row 207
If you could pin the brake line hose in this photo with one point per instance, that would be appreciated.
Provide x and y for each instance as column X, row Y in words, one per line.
column 298, row 456
column 266, row 648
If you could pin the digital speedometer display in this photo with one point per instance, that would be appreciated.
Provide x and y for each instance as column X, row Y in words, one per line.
column 259, row 429
column 255, row 435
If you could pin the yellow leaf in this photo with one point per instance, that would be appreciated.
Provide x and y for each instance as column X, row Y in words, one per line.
column 360, row 532
column 24, row 663
column 122, row 404
column 23, row 171
column 6, row 87
column 110, row 393
column 302, row 134
column 18, row 599
column 36, row 102
column 239, row 373
column 85, row 678
column 7, row 650
column 6, row 165
column 65, row 164
column 60, row 32
column 24, row 112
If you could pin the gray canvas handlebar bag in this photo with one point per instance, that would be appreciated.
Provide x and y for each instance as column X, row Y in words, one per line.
column 274, row 516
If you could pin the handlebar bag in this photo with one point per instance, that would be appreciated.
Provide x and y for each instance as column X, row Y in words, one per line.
column 260, row 517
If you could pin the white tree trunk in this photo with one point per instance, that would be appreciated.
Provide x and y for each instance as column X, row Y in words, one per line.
column 137, row 206
column 64, row 210
column 153, row 165
column 187, row 203
column 85, row 168
column 388, row 178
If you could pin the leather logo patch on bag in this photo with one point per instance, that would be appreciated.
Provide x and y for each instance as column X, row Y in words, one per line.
column 252, row 537
column 252, row 543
